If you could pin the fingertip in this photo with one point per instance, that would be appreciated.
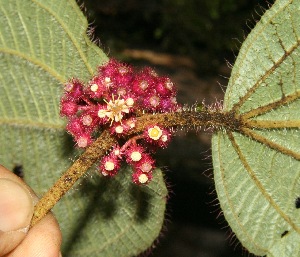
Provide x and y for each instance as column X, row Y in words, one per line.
column 43, row 240
column 16, row 206
column 16, row 210
column 9, row 240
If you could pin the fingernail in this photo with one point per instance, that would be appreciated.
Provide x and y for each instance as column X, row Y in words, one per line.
column 16, row 206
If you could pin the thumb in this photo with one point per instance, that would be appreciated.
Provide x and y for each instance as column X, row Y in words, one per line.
column 16, row 209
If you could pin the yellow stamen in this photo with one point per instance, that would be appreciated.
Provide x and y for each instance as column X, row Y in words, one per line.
column 155, row 133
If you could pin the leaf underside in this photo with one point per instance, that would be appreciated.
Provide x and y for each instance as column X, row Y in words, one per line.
column 42, row 45
column 257, row 170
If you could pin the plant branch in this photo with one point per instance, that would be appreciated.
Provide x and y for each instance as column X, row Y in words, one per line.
column 187, row 119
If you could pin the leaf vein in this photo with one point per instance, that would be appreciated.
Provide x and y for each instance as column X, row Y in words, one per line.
column 265, row 76
column 26, row 33
column 18, row 123
column 252, row 89
column 259, row 185
column 64, row 27
column 268, row 107
column 250, row 133
column 233, row 209
column 34, row 61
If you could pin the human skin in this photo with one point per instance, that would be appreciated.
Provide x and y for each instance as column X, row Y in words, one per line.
column 16, row 209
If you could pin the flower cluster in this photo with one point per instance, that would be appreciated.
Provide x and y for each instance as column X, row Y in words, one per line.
column 113, row 99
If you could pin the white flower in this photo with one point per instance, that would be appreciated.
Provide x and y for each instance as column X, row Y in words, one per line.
column 129, row 102
column 109, row 166
column 101, row 113
column 107, row 80
column 94, row 87
column 119, row 129
column 143, row 178
column 155, row 132
column 136, row 156
column 115, row 109
column 164, row 138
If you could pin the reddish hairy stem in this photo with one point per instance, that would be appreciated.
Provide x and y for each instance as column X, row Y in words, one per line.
column 97, row 150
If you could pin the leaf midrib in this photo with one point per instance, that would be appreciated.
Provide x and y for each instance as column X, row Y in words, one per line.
column 38, row 62
column 78, row 48
column 237, row 105
column 34, row 61
column 24, row 123
column 253, row 88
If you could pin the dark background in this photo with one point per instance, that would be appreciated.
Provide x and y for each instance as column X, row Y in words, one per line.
column 194, row 42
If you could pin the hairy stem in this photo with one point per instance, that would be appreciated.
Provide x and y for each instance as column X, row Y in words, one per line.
column 188, row 119
column 68, row 179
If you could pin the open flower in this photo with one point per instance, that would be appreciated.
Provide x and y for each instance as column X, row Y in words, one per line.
column 154, row 132
column 141, row 178
column 134, row 153
column 116, row 108
column 157, row 135
column 110, row 165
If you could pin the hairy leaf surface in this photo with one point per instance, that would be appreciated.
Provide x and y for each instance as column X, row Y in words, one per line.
column 257, row 168
column 42, row 44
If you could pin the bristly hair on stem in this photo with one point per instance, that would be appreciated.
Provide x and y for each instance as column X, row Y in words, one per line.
column 190, row 119
column 129, row 111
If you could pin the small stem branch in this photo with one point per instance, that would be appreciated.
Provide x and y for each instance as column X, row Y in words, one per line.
column 189, row 119
column 130, row 142
column 68, row 179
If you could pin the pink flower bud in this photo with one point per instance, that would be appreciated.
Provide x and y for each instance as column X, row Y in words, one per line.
column 164, row 87
column 109, row 165
column 96, row 87
column 83, row 140
column 141, row 178
column 87, row 120
column 68, row 108
column 75, row 127
column 145, row 165
column 74, row 89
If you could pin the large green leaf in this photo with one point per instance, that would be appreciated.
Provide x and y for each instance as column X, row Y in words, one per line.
column 43, row 43
column 257, row 169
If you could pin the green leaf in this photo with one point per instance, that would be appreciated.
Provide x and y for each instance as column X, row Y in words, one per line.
column 119, row 218
column 42, row 44
column 257, row 169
